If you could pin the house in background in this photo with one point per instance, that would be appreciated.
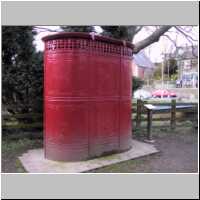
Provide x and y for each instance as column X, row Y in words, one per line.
column 142, row 67
column 187, row 62
column 187, row 58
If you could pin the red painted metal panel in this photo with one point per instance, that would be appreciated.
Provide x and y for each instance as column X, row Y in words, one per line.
column 87, row 96
column 125, row 104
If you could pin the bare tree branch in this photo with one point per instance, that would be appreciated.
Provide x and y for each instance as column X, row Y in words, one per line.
column 139, row 28
column 170, row 39
column 188, row 37
column 182, row 31
column 154, row 37
column 129, row 32
column 43, row 29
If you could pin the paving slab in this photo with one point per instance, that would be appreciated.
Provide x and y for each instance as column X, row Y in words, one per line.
column 34, row 161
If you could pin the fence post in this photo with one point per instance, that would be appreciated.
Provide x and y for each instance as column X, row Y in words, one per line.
column 173, row 114
column 149, row 123
column 139, row 112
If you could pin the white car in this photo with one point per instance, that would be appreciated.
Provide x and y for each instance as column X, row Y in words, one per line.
column 142, row 94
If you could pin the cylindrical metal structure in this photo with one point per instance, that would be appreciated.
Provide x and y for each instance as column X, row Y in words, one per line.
column 87, row 96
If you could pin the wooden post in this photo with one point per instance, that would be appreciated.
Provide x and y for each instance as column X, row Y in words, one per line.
column 149, row 123
column 173, row 114
column 139, row 112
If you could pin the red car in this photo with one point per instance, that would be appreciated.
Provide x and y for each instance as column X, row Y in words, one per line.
column 163, row 93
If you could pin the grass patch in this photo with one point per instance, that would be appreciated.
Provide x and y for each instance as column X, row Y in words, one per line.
column 19, row 166
column 184, row 134
column 13, row 146
column 116, row 168
column 12, row 149
column 162, row 129
column 20, row 136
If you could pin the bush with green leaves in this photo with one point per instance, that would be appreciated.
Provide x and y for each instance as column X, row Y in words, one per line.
column 22, row 70
column 137, row 83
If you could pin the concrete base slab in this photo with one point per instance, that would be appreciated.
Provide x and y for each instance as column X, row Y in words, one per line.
column 34, row 161
column 149, row 141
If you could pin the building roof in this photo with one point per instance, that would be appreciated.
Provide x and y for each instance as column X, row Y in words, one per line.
column 142, row 60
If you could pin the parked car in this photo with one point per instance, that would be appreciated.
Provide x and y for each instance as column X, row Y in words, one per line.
column 142, row 94
column 163, row 93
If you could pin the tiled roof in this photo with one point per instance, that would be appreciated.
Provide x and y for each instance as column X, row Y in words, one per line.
column 142, row 60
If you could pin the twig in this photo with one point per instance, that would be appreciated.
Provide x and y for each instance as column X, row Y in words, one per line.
column 43, row 29
column 189, row 37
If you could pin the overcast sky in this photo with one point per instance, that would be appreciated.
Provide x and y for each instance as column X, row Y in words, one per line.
column 154, row 51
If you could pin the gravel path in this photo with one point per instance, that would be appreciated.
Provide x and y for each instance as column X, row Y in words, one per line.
column 178, row 154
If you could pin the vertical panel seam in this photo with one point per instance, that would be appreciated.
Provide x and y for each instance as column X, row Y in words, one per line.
column 119, row 108
column 89, row 93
